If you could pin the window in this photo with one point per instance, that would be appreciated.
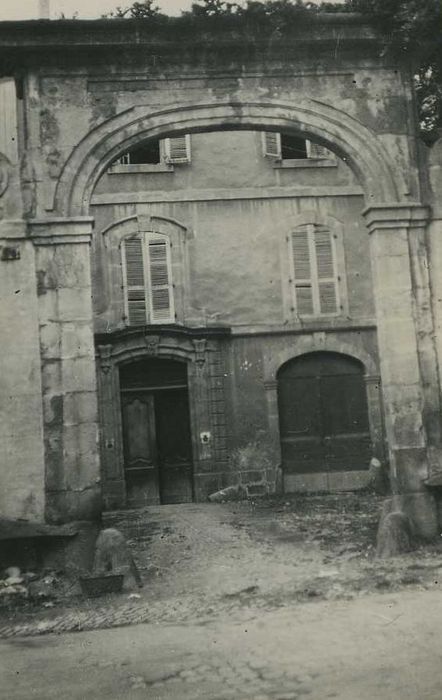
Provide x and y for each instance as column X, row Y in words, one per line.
column 314, row 278
column 154, row 152
column 147, row 279
column 148, row 153
column 290, row 147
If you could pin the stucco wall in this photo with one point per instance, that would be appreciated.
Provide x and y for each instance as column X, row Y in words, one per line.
column 237, row 256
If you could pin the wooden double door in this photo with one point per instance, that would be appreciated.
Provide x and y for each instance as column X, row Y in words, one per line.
column 323, row 414
column 156, row 435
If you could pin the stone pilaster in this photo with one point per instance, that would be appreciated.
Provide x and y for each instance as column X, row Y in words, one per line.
column 112, row 459
column 407, row 354
column 68, row 368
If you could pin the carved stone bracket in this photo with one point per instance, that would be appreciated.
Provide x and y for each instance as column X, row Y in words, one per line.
column 200, row 346
column 152, row 343
column 105, row 352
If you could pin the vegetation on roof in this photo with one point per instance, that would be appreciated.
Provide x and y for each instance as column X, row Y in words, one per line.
column 407, row 26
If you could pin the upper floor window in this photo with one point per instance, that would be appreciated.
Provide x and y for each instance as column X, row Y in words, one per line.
column 285, row 147
column 314, row 279
column 147, row 279
column 171, row 151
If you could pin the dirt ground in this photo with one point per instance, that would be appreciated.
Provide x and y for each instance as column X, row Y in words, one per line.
column 200, row 561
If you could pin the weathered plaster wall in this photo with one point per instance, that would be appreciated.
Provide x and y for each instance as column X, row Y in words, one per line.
column 226, row 159
column 67, row 99
column 252, row 363
column 22, row 483
column 237, row 258
column 21, row 432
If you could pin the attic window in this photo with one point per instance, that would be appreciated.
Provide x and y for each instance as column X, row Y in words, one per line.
column 147, row 153
column 294, row 150
column 293, row 147
column 158, row 155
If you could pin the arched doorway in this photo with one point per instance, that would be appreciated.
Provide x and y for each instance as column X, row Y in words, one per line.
column 323, row 416
column 157, row 445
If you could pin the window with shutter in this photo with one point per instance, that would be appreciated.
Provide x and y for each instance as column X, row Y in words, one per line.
column 301, row 258
column 134, row 280
column 326, row 271
column 178, row 149
column 315, row 150
column 160, row 283
column 291, row 147
column 147, row 279
column 314, row 270
column 148, row 153
column 271, row 141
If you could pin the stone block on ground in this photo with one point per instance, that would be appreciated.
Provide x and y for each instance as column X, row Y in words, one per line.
column 394, row 534
column 378, row 479
column 230, row 493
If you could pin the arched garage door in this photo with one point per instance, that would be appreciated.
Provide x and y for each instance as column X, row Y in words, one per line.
column 323, row 418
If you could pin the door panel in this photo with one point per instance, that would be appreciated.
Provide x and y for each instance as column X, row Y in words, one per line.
column 140, row 451
column 300, row 420
column 156, row 432
column 345, row 422
column 323, row 415
column 174, row 446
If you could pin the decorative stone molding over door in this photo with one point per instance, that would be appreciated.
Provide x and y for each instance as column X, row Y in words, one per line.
column 203, row 357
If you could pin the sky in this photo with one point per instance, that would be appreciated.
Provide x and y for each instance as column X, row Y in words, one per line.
column 29, row 9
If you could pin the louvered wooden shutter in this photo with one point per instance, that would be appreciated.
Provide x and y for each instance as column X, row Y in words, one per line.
column 326, row 271
column 302, row 271
column 178, row 149
column 8, row 120
column 314, row 266
column 134, row 280
column 315, row 150
column 272, row 144
column 160, row 282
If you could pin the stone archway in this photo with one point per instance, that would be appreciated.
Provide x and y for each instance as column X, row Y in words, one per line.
column 333, row 128
column 398, row 253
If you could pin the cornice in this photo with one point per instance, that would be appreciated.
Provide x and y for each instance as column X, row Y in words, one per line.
column 396, row 216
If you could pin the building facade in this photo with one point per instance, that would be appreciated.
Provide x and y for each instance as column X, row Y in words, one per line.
column 219, row 265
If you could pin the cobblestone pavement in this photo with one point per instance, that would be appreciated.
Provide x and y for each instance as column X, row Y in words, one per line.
column 382, row 646
column 203, row 561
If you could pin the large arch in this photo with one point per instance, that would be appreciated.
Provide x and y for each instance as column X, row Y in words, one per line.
column 327, row 125
column 305, row 345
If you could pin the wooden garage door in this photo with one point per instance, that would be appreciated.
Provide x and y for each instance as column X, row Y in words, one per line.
column 323, row 414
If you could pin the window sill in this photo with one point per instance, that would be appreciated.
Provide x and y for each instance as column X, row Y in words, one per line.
column 141, row 168
column 305, row 163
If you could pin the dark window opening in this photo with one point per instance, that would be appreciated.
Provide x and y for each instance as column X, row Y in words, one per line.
column 142, row 154
column 293, row 147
